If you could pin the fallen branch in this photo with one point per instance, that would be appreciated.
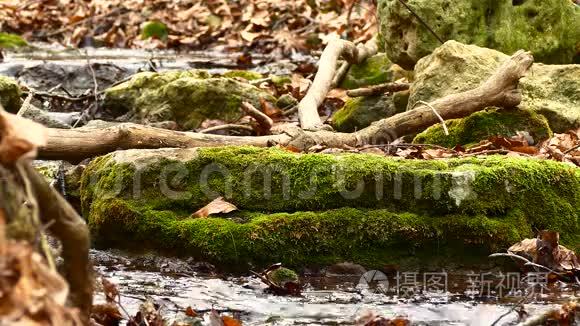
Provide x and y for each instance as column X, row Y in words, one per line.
column 263, row 120
column 378, row 89
column 308, row 106
column 500, row 90
column 77, row 144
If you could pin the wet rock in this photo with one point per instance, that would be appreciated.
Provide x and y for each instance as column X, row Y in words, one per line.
column 52, row 119
column 10, row 94
column 485, row 124
column 286, row 102
column 100, row 124
column 550, row 29
column 367, row 209
column 281, row 276
column 551, row 90
column 345, row 269
column 360, row 112
column 374, row 70
column 186, row 97
column 76, row 78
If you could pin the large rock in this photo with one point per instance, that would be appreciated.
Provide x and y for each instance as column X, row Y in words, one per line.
column 186, row 97
column 552, row 90
column 10, row 94
column 363, row 208
column 374, row 70
column 548, row 28
column 484, row 124
column 360, row 112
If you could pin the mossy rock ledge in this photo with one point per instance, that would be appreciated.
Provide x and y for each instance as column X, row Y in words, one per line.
column 550, row 90
column 550, row 29
column 186, row 97
column 319, row 209
column 482, row 125
column 10, row 94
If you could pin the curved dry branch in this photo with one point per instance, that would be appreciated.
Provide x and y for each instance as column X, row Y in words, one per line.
column 308, row 106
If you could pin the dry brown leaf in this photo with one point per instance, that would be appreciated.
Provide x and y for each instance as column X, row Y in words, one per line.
column 190, row 312
column 216, row 206
column 19, row 137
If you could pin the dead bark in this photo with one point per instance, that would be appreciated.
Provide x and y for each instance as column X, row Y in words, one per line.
column 500, row 90
column 308, row 106
column 378, row 89
column 73, row 233
column 77, row 144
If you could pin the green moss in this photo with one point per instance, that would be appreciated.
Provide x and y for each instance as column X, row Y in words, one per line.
column 484, row 124
column 11, row 41
column 360, row 112
column 10, row 94
column 245, row 74
column 154, row 29
column 374, row 70
column 141, row 193
column 186, row 97
column 550, row 29
column 283, row 275
column 373, row 238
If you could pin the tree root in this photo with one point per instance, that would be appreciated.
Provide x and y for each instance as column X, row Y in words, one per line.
column 500, row 90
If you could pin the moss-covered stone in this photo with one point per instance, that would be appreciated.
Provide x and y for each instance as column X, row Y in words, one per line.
column 484, row 124
column 374, row 70
column 11, row 41
column 154, row 29
column 245, row 74
column 552, row 90
column 10, row 94
column 186, row 97
column 548, row 28
column 360, row 112
column 281, row 276
column 399, row 209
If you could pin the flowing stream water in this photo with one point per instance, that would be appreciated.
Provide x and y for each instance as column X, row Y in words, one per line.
column 326, row 299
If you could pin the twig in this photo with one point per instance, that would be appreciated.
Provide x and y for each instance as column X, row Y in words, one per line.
column 263, row 120
column 96, row 85
column 488, row 152
column 340, row 73
column 572, row 149
column 378, row 89
column 226, row 126
column 511, row 309
column 37, row 93
column 437, row 114
column 526, row 261
column 25, row 105
column 422, row 21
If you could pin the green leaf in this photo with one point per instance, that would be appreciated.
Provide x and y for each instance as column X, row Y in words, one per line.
column 11, row 41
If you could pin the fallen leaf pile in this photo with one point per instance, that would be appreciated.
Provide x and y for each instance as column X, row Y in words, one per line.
column 32, row 293
column 257, row 25
column 546, row 250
